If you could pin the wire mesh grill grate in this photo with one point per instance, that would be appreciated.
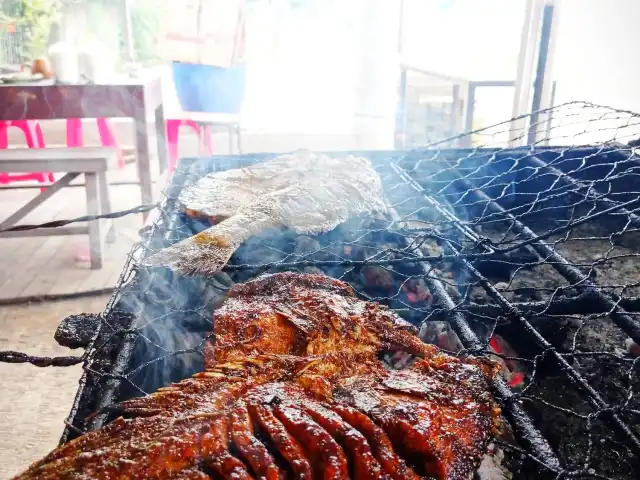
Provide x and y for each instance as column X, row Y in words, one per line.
column 528, row 254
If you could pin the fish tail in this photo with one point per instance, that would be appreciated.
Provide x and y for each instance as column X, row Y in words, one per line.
column 203, row 254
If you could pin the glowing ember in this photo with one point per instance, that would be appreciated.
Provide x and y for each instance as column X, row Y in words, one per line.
column 416, row 291
column 515, row 378
column 632, row 348
column 440, row 334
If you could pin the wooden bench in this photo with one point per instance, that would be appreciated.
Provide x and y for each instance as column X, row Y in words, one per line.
column 92, row 162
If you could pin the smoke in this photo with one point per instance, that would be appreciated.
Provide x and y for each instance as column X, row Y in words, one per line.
column 175, row 313
column 174, row 322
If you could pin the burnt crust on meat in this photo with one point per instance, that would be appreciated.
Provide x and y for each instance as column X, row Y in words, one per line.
column 305, row 314
column 282, row 416
column 299, row 413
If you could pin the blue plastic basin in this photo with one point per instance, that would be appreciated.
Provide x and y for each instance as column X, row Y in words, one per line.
column 209, row 89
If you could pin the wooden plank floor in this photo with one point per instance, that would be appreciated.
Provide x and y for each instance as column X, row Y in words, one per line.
column 50, row 265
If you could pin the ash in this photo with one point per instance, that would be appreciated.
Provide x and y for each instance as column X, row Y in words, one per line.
column 592, row 343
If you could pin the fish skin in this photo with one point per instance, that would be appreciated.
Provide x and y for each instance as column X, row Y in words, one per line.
column 305, row 192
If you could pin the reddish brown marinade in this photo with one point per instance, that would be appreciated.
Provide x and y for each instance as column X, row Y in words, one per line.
column 333, row 414
column 293, row 314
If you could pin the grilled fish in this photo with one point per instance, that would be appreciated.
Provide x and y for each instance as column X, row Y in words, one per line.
column 299, row 393
column 333, row 416
column 308, row 193
column 305, row 314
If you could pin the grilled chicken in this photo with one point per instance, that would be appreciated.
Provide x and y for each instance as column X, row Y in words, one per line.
column 308, row 193
column 305, row 314
column 331, row 416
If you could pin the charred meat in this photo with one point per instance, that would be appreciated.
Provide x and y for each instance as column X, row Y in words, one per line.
column 294, row 388
column 305, row 314
column 328, row 416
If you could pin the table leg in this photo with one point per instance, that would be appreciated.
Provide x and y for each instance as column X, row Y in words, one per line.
column 143, row 158
column 161, row 138
column 93, row 208
column 105, row 204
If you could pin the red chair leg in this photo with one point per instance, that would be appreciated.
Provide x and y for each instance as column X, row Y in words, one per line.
column 41, row 144
column 4, row 144
column 39, row 135
column 30, row 135
column 207, row 138
column 173, row 132
column 108, row 138
column 35, row 139
column 4, row 138
column 75, row 137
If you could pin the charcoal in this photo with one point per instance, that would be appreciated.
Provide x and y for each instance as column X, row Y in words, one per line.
column 526, row 294
column 257, row 255
column 632, row 348
column 416, row 290
column 497, row 270
column 220, row 281
column 494, row 466
column 313, row 270
column 304, row 245
column 379, row 278
column 77, row 331
column 441, row 334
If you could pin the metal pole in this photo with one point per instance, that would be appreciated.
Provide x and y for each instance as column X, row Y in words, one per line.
column 524, row 73
column 550, row 115
column 128, row 31
column 549, row 85
column 543, row 79
column 466, row 141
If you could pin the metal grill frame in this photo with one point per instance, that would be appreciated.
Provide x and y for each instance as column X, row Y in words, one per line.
column 95, row 394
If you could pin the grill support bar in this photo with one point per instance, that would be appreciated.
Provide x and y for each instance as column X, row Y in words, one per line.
column 621, row 318
column 569, row 181
column 608, row 302
column 583, row 304
column 524, row 428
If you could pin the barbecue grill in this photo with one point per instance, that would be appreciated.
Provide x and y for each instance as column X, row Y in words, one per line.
column 528, row 254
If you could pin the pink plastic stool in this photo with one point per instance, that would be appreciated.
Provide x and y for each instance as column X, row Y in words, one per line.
column 75, row 136
column 35, row 139
column 173, row 134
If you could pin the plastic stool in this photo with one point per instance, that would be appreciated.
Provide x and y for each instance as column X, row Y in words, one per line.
column 173, row 135
column 75, row 136
column 35, row 139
